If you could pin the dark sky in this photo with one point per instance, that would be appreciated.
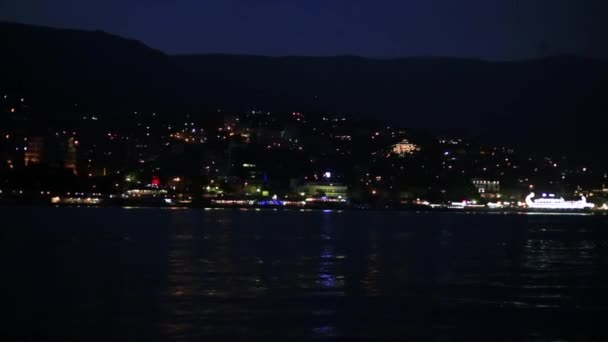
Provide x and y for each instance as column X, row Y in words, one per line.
column 488, row 29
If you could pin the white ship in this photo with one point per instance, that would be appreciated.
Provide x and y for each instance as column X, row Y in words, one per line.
column 551, row 202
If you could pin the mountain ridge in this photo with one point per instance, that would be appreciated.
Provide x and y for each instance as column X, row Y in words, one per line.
column 482, row 99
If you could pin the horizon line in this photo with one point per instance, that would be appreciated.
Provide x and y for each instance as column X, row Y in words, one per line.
column 320, row 56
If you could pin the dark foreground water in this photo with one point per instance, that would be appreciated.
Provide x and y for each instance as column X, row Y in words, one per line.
column 112, row 274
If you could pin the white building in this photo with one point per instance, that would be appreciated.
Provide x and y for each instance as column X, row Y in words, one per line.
column 404, row 148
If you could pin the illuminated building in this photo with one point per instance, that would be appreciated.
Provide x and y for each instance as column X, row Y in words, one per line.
column 34, row 152
column 76, row 200
column 487, row 188
column 464, row 205
column 52, row 151
column 404, row 148
column 144, row 193
column 70, row 161
column 324, row 189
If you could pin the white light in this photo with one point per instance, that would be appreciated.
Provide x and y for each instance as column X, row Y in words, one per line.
column 557, row 203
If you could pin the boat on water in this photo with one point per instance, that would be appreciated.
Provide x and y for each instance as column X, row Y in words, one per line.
column 550, row 201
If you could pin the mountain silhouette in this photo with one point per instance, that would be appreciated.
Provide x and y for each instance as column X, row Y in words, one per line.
column 557, row 101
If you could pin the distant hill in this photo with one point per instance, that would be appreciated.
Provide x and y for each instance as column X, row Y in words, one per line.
column 560, row 100
column 481, row 98
column 68, row 66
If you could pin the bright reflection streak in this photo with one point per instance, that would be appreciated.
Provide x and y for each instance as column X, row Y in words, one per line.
column 556, row 214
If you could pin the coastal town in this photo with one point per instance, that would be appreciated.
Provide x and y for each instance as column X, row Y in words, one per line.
column 263, row 159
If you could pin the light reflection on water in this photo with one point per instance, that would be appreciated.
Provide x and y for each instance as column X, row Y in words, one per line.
column 196, row 274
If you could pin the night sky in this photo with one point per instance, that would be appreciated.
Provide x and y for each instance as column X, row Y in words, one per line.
column 487, row 29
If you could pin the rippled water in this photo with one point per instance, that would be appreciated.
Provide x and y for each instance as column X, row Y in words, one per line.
column 113, row 274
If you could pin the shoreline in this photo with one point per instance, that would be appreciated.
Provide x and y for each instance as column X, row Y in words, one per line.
column 407, row 209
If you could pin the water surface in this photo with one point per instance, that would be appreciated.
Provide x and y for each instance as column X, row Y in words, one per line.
column 114, row 274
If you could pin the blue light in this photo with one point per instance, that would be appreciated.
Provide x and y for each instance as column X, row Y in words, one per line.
column 271, row 203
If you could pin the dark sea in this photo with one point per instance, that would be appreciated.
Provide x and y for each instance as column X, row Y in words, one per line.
column 117, row 274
